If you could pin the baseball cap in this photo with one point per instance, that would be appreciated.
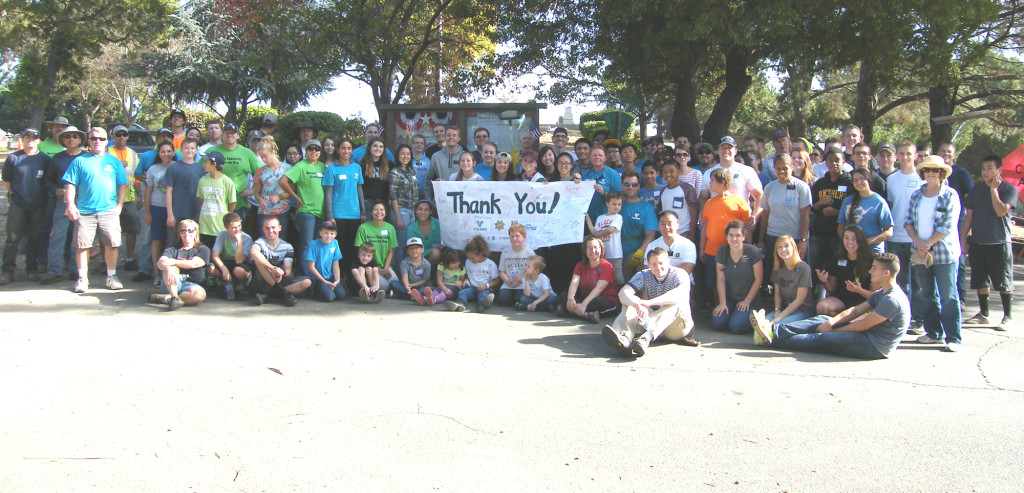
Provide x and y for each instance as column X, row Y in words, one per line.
column 231, row 127
column 313, row 142
column 528, row 154
column 705, row 146
column 270, row 119
column 164, row 130
column 780, row 133
column 118, row 128
column 178, row 111
column 560, row 130
column 30, row 131
column 728, row 141
column 888, row 147
column 414, row 241
column 215, row 156
column 256, row 135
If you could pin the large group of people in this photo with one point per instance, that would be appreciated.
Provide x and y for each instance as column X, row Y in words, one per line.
column 808, row 248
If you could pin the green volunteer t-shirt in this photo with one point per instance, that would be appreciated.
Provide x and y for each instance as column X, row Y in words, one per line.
column 51, row 148
column 217, row 194
column 239, row 163
column 382, row 238
column 308, row 179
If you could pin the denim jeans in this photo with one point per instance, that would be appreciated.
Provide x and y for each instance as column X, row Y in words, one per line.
column 22, row 222
column 44, row 232
column 407, row 219
column 803, row 336
column 470, row 293
column 936, row 295
column 736, row 321
column 60, row 252
column 820, row 249
column 543, row 306
column 792, row 317
column 508, row 297
column 961, row 277
column 323, row 292
column 307, row 225
column 904, row 279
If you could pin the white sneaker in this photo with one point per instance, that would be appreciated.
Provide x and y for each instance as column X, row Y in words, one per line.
column 113, row 283
column 953, row 347
column 81, row 285
column 978, row 319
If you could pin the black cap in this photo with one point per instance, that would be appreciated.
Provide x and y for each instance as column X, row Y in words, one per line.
column 215, row 156
column 231, row 127
column 178, row 111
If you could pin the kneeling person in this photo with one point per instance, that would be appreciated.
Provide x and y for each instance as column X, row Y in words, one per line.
column 870, row 330
column 272, row 259
column 183, row 269
column 657, row 302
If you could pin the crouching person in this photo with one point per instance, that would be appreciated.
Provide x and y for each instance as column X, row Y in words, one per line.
column 272, row 259
column 183, row 269
column 870, row 330
column 657, row 304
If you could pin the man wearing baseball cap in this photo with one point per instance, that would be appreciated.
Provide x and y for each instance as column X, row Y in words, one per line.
column 559, row 140
column 96, row 185
column 745, row 182
column 52, row 146
column 268, row 124
column 24, row 173
column 177, row 119
column 239, row 163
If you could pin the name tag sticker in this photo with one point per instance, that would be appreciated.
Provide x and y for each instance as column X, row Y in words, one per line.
column 677, row 202
column 343, row 177
column 841, row 188
column 39, row 174
column 841, row 263
column 319, row 175
column 911, row 184
column 384, row 232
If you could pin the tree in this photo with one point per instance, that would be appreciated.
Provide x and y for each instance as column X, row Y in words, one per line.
column 385, row 43
column 53, row 39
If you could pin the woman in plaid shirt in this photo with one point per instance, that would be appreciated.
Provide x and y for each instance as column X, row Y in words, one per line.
column 404, row 192
column 932, row 225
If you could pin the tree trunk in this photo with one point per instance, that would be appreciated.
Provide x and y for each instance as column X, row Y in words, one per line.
column 940, row 103
column 798, row 87
column 684, row 111
column 737, row 81
column 864, row 109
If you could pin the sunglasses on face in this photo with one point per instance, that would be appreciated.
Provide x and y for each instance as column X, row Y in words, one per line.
column 120, row 134
column 187, row 231
column 682, row 154
column 313, row 149
column 705, row 152
column 97, row 139
column 631, row 185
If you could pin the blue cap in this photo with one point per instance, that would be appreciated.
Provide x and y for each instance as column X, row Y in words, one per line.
column 215, row 156
column 728, row 140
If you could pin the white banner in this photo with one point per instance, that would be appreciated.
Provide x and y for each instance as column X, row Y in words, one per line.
column 552, row 213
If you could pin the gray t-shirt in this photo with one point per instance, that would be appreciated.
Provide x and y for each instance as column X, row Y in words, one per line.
column 276, row 255
column 785, row 202
column 895, row 307
column 791, row 280
column 648, row 287
column 513, row 263
column 185, row 180
column 739, row 276
column 416, row 273
column 986, row 228
column 226, row 247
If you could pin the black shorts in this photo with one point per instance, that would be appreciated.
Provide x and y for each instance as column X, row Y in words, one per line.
column 991, row 265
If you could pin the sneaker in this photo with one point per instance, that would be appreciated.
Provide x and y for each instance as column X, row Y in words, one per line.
column 6, row 279
column 953, row 347
column 1004, row 324
column 131, row 265
column 429, row 298
column 141, row 276
column 689, row 341
column 174, row 303
column 640, row 345
column 764, row 333
column 50, row 278
column 365, row 298
column 978, row 319
column 487, row 301
column 916, row 329
column 259, row 299
column 561, row 311
column 113, row 283
column 454, row 306
column 592, row 317
column 159, row 298
column 618, row 342
column 522, row 307
column 289, row 299
column 379, row 296
column 417, row 297
column 32, row 276
column 927, row 339
column 81, row 285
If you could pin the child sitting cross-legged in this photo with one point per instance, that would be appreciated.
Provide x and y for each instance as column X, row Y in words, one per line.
column 366, row 274
column 482, row 274
column 322, row 263
column 414, row 275
column 537, row 294
column 451, row 276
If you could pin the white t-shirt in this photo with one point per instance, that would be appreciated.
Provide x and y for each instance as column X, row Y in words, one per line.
column 926, row 216
column 900, row 186
column 612, row 244
column 682, row 251
column 513, row 263
column 676, row 200
column 482, row 273
column 744, row 180
column 538, row 287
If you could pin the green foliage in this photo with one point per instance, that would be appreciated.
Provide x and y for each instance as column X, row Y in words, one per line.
column 596, row 116
column 588, row 129
column 254, row 118
column 12, row 118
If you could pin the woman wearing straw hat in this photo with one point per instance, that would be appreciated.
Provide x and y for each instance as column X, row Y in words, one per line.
column 932, row 225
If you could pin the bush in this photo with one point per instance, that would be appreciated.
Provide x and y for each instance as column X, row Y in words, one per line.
column 588, row 129
column 326, row 123
column 589, row 123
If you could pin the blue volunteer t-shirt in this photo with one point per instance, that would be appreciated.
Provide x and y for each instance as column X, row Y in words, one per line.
column 484, row 171
column 323, row 256
column 359, row 152
column 345, row 198
column 872, row 215
column 607, row 178
column 637, row 219
column 96, row 179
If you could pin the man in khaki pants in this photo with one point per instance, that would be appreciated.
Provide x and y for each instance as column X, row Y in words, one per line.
column 656, row 303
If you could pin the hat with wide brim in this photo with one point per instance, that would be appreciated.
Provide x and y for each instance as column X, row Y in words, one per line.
column 71, row 129
column 60, row 120
column 934, row 162
column 307, row 124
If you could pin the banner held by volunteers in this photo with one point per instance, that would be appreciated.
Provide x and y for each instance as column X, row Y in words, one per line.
column 552, row 213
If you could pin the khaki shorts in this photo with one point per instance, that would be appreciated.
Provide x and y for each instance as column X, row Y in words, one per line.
column 107, row 223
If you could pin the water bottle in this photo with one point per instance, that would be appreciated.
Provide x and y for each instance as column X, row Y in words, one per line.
column 229, row 290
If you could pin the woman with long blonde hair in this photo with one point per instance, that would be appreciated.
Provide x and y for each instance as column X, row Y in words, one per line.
column 183, row 268
column 793, row 279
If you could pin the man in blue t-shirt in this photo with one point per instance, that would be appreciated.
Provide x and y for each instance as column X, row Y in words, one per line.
column 870, row 330
column 24, row 173
column 372, row 132
column 639, row 224
column 95, row 193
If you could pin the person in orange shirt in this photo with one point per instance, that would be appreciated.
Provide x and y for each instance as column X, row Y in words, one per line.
column 718, row 212
column 177, row 120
